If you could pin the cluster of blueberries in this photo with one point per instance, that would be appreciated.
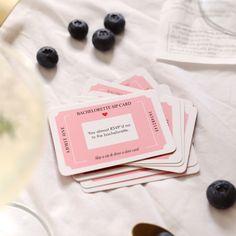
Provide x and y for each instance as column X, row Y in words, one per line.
column 103, row 39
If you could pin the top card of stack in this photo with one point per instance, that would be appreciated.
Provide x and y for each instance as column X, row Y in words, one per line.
column 110, row 131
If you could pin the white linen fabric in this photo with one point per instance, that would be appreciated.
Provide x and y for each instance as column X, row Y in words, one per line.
column 177, row 204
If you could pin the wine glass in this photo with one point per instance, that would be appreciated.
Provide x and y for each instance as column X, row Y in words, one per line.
column 22, row 120
column 21, row 133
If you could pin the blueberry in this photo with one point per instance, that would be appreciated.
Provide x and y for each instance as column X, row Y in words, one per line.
column 115, row 22
column 103, row 39
column 47, row 57
column 221, row 194
column 165, row 234
column 78, row 29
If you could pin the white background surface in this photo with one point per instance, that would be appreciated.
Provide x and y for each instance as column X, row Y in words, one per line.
column 178, row 204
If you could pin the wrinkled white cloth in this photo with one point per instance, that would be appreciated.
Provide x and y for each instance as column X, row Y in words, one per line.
column 177, row 204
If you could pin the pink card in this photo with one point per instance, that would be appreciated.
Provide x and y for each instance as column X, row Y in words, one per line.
column 96, row 85
column 109, row 132
column 104, row 172
column 139, row 79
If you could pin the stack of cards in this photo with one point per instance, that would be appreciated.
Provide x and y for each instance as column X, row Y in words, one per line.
column 125, row 133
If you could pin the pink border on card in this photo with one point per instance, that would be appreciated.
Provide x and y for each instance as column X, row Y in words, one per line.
column 75, row 151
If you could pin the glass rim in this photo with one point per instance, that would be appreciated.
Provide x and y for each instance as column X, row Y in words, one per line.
column 30, row 212
column 211, row 22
